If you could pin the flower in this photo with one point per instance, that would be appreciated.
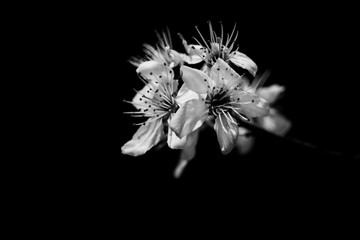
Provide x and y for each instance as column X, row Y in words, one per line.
column 157, row 101
column 223, row 97
column 218, row 47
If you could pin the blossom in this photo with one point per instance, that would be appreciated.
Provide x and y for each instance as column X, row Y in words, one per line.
column 223, row 97
column 218, row 47
column 157, row 101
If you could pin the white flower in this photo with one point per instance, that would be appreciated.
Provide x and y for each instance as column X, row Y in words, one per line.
column 157, row 101
column 223, row 97
column 218, row 47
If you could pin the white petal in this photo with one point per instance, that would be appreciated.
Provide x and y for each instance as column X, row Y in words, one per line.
column 144, row 139
column 153, row 70
column 176, row 58
column 251, row 105
column 189, row 117
column 192, row 59
column 195, row 79
column 243, row 61
column 222, row 73
column 271, row 93
column 185, row 94
column 194, row 52
column 275, row 123
column 227, row 133
column 145, row 91
column 174, row 141
column 188, row 153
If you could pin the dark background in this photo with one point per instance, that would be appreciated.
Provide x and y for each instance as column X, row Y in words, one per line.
column 309, row 49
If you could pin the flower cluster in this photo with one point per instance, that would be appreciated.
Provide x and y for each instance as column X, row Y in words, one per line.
column 178, row 100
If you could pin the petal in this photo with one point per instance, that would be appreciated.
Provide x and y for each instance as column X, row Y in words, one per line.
column 191, row 59
column 222, row 73
column 194, row 52
column 145, row 91
column 271, row 93
column 153, row 70
column 227, row 133
column 243, row 61
column 174, row 141
column 185, row 94
column 251, row 104
column 195, row 79
column 144, row 139
column 275, row 123
column 189, row 117
column 188, row 153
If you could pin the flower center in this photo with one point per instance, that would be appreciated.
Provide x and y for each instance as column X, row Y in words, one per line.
column 219, row 101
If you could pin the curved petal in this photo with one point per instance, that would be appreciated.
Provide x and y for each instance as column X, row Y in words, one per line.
column 275, row 123
column 144, row 139
column 194, row 52
column 195, row 79
column 192, row 59
column 185, row 94
column 227, row 133
column 222, row 73
column 243, row 61
column 153, row 70
column 176, row 58
column 174, row 142
column 271, row 93
column 251, row 104
column 189, row 117
column 188, row 153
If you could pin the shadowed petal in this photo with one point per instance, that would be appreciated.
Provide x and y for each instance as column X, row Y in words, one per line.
column 227, row 133
column 188, row 153
column 195, row 80
column 144, row 139
column 189, row 117
column 243, row 61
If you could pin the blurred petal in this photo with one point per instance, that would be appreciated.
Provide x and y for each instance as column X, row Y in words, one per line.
column 189, row 117
column 227, row 133
column 271, row 93
column 222, row 73
column 244, row 144
column 153, row 70
column 275, row 123
column 144, row 139
column 195, row 79
column 188, row 153
column 243, row 61
column 252, row 105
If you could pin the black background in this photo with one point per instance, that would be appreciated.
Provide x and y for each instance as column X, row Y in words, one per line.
column 309, row 49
